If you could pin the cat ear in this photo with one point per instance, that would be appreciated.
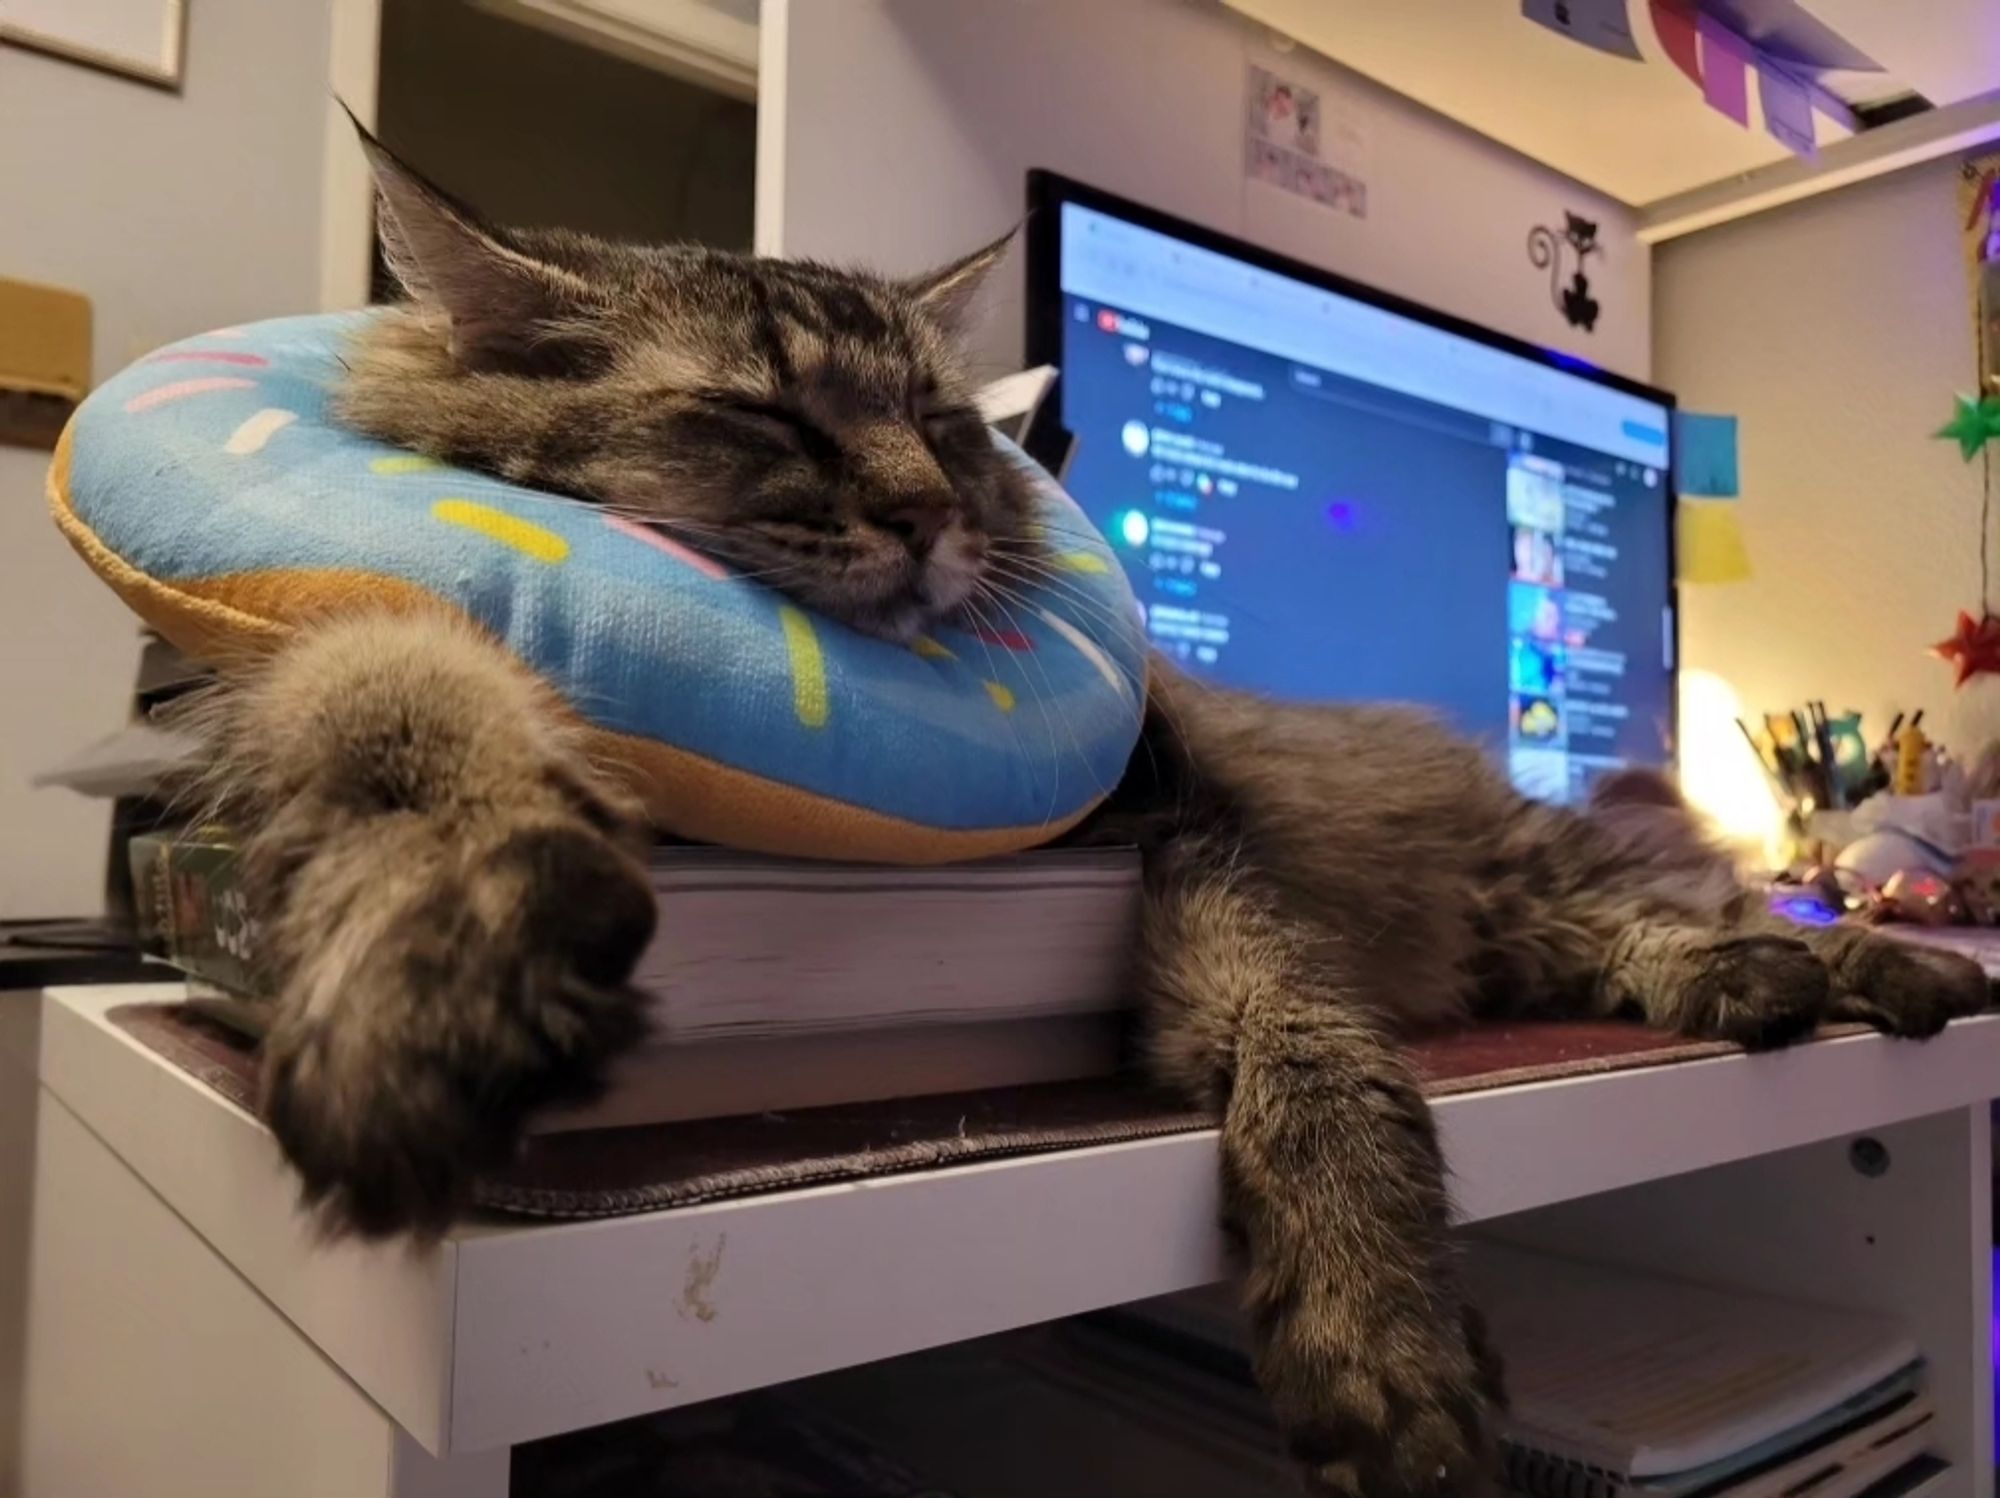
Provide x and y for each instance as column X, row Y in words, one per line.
column 949, row 292
column 502, row 304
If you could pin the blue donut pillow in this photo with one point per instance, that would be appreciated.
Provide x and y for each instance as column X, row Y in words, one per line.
column 210, row 487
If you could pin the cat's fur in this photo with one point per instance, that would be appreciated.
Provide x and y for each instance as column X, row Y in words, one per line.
column 455, row 899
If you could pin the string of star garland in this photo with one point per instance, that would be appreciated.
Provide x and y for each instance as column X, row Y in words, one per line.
column 1973, row 648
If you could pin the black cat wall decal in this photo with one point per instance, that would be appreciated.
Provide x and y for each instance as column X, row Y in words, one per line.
column 1545, row 251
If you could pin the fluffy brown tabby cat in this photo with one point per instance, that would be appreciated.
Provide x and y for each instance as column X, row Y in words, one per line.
column 456, row 900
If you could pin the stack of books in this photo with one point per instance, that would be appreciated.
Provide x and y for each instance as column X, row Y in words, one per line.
column 777, row 984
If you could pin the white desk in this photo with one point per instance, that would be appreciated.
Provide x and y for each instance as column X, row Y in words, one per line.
column 185, row 1335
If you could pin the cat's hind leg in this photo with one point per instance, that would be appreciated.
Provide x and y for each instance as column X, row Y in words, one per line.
column 450, row 897
column 1686, row 945
column 1764, row 982
column 1757, row 988
column 1333, row 1187
column 1896, row 986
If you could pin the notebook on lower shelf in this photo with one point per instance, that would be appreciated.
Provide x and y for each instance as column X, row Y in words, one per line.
column 1627, row 1383
column 1842, row 1454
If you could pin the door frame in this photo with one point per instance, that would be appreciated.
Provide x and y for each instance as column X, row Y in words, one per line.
column 347, row 191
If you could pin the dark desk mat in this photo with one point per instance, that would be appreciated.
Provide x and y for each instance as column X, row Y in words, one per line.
column 613, row 1172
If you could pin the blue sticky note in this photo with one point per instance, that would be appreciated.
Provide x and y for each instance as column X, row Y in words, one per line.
column 1602, row 24
column 1788, row 115
column 1705, row 455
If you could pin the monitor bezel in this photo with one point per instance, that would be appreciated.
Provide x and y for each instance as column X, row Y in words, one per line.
column 1043, row 335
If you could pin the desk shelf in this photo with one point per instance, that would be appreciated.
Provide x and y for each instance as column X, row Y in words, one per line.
column 508, row 1331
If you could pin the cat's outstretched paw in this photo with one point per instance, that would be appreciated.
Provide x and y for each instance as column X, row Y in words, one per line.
column 467, row 982
column 1759, row 991
column 1405, row 1416
column 1907, row 990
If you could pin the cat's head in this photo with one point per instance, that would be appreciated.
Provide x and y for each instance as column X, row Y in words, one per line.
column 806, row 425
column 1581, row 232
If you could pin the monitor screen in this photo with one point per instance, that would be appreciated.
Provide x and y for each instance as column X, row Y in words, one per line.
column 1324, row 494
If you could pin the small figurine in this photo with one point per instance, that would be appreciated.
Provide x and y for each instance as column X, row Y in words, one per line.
column 1923, row 897
column 1913, row 762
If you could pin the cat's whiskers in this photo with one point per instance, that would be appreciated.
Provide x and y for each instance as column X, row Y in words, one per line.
column 1097, row 613
column 1042, row 565
column 1032, row 569
column 1133, row 677
column 1065, row 588
column 1050, row 699
column 1011, row 588
column 993, row 674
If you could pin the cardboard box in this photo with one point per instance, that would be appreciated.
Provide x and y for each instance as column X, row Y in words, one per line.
column 44, row 360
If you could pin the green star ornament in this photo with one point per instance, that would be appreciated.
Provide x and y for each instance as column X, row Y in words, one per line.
column 1976, row 424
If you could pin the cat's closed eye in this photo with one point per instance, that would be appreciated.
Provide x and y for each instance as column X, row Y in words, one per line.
column 771, row 411
column 775, row 418
column 944, row 421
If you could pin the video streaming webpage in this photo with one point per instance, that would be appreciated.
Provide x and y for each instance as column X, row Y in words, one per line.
column 1301, row 515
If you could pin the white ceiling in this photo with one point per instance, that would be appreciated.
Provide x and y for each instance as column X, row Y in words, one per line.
column 1637, row 131
column 1947, row 50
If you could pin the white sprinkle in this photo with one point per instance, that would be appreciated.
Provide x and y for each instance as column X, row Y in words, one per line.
column 1090, row 652
column 254, row 433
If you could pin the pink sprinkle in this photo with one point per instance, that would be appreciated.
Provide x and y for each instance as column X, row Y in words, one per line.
column 209, row 356
column 183, row 388
column 1012, row 639
column 706, row 566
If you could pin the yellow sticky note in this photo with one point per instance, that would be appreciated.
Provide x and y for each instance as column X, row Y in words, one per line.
column 1708, row 539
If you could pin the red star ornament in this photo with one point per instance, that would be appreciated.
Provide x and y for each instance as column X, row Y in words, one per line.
column 1974, row 647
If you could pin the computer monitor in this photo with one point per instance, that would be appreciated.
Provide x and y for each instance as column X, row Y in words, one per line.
column 1326, row 493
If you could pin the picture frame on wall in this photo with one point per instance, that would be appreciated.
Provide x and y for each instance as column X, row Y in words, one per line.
column 143, row 40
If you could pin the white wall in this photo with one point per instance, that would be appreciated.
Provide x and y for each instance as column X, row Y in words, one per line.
column 174, row 214
column 897, row 133
column 1837, row 329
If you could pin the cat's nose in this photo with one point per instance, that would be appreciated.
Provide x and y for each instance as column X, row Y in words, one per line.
column 917, row 524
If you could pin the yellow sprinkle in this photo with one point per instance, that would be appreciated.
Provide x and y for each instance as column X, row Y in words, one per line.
column 408, row 463
column 808, row 667
column 1002, row 698
column 1083, row 561
column 930, row 650
column 539, row 542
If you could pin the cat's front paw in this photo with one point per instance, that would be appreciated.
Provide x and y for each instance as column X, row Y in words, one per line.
column 1760, row 991
column 453, row 995
column 1908, row 990
column 1406, row 1415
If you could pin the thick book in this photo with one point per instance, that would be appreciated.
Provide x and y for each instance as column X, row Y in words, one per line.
column 749, row 945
